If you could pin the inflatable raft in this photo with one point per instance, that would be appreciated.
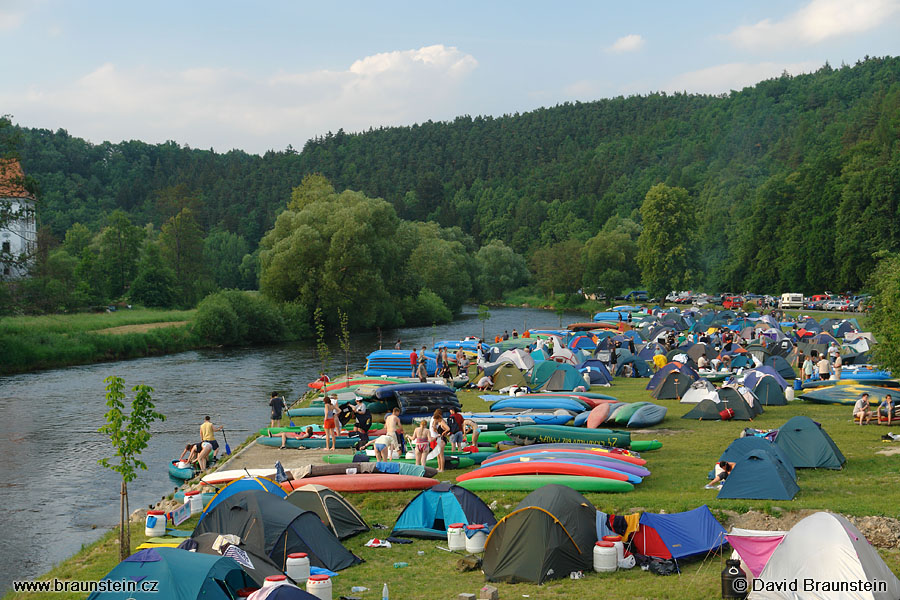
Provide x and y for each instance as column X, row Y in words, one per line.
column 533, row 482
column 363, row 482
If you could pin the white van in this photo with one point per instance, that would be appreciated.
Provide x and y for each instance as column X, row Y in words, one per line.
column 791, row 301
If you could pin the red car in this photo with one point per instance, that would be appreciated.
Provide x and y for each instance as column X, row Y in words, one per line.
column 733, row 302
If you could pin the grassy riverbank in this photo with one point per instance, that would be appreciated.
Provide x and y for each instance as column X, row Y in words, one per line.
column 51, row 341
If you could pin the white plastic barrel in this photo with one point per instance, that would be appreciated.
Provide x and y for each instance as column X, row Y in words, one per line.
column 319, row 586
column 620, row 547
column 274, row 580
column 475, row 539
column 456, row 536
column 297, row 566
column 155, row 525
column 605, row 557
column 196, row 501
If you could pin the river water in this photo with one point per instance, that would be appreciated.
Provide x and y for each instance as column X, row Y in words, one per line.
column 54, row 496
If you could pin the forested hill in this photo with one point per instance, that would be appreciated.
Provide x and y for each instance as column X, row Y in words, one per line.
column 794, row 183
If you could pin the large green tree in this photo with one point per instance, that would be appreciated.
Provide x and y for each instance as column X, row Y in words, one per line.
column 500, row 269
column 665, row 248
column 181, row 243
column 558, row 268
column 120, row 248
column 224, row 252
column 610, row 264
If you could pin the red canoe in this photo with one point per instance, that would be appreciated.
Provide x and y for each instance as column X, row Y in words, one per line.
column 537, row 467
column 364, row 482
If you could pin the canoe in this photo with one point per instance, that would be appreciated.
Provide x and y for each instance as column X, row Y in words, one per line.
column 645, row 445
column 490, row 437
column 617, row 453
column 533, row 482
column 647, row 415
column 363, row 482
column 519, row 402
column 623, row 413
column 182, row 474
column 341, row 469
column 220, row 477
column 567, row 434
column 845, row 394
column 315, row 442
column 355, row 382
column 317, row 428
column 309, row 411
column 544, row 468
column 588, row 395
column 597, row 416
column 596, row 460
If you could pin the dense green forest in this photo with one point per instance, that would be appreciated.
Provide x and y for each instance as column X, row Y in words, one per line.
column 791, row 184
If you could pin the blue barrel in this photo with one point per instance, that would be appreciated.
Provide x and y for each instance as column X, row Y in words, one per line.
column 798, row 385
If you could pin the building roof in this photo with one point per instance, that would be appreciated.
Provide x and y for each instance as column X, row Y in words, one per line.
column 12, row 179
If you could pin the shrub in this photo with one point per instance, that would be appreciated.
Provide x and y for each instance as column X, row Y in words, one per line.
column 217, row 321
column 232, row 317
column 426, row 308
column 748, row 306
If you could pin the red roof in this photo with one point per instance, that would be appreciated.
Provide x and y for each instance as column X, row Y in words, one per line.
column 12, row 179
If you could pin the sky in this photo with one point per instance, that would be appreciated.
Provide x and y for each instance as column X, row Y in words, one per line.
column 261, row 76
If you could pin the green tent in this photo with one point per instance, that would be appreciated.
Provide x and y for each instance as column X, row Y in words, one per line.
column 541, row 372
column 507, row 374
column 769, row 392
column 807, row 445
column 675, row 385
column 550, row 534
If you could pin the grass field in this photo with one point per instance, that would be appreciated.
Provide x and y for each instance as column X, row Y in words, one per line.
column 82, row 322
column 865, row 486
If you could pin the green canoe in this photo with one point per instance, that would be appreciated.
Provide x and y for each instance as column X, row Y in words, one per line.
column 490, row 437
column 622, row 414
column 460, row 462
column 566, row 434
column 533, row 482
column 645, row 445
column 341, row 442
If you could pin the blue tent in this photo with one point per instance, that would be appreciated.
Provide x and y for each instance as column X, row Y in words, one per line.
column 760, row 475
column 679, row 535
column 182, row 575
column 641, row 368
column 741, row 447
column 597, row 371
column 241, row 485
column 782, row 366
column 428, row 514
column 650, row 350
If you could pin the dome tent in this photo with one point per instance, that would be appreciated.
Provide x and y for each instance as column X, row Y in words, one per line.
column 760, row 475
column 257, row 565
column 334, row 510
column 807, row 445
column 431, row 511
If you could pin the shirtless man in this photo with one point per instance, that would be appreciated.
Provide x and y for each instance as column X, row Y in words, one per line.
column 394, row 427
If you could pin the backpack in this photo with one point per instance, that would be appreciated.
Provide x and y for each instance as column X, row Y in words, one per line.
column 726, row 414
column 454, row 426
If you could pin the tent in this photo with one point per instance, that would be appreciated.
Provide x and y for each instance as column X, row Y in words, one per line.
column 596, row 370
column 661, row 375
column 507, row 374
column 333, row 509
column 182, row 575
column 678, row 535
column 430, row 512
column 257, row 565
column 741, row 447
column 760, row 475
column 564, row 378
column 541, row 372
column 729, row 392
column 550, row 533
column 782, row 366
column 825, row 547
column 640, row 366
column 807, row 445
column 769, row 392
column 675, row 385
column 753, row 547
column 241, row 485
column 278, row 528
column 651, row 349
column 752, row 375
column 518, row 357
column 700, row 390
column 708, row 410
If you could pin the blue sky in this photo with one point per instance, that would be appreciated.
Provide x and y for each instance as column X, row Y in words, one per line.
column 263, row 75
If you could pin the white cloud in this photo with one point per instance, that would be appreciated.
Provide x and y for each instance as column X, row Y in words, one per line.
column 11, row 19
column 733, row 76
column 226, row 109
column 628, row 43
column 817, row 21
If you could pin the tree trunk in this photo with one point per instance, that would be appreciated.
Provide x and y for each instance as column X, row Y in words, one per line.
column 127, row 522
column 123, row 523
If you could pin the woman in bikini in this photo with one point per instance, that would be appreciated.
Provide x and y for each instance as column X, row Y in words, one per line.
column 420, row 440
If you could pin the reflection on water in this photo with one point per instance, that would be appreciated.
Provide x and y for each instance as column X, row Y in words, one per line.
column 56, row 496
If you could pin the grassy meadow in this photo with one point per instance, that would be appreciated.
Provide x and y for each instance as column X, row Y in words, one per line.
column 679, row 470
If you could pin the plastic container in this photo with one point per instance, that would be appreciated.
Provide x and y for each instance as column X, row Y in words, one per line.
column 297, row 566
column 319, row 586
column 798, row 385
column 400, row 565
column 274, row 580
column 734, row 581
column 245, row 592
column 456, row 536
column 155, row 525
column 196, row 501
column 620, row 547
column 475, row 539
column 605, row 560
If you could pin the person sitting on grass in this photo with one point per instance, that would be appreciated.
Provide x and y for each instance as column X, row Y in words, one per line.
column 722, row 471
column 861, row 410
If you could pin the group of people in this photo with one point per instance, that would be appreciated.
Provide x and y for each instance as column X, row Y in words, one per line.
column 199, row 453
column 822, row 366
column 862, row 409
column 438, row 433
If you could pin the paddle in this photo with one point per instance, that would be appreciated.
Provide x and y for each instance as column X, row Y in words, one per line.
column 290, row 418
column 227, row 447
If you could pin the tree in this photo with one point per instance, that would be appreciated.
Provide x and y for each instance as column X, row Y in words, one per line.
column 129, row 434
column 665, row 250
column 484, row 313
column 557, row 268
column 155, row 285
column 344, row 338
column 432, row 263
column 322, row 350
column 120, row 247
column 181, row 243
column 610, row 265
column 500, row 269
column 78, row 237
column 885, row 285
column 223, row 254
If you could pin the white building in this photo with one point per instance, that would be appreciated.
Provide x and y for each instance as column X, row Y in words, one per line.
column 18, row 231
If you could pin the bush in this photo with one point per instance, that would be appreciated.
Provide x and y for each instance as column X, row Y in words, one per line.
column 296, row 320
column 232, row 317
column 425, row 309
column 217, row 321
column 748, row 306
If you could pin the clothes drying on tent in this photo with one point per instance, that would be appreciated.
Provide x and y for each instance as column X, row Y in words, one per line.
column 334, row 510
column 257, row 565
column 182, row 575
column 753, row 547
column 550, row 534
column 430, row 513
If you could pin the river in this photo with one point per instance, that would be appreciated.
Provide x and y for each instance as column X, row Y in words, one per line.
column 56, row 498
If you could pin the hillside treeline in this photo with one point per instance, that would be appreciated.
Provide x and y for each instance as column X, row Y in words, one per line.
column 791, row 184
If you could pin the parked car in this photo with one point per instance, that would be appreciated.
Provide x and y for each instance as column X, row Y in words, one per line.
column 835, row 305
column 732, row 302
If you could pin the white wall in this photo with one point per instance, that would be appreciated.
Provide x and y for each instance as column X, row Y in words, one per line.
column 21, row 235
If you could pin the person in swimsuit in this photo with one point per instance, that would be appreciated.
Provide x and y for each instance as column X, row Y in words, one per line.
column 440, row 433
column 421, row 442
column 328, row 423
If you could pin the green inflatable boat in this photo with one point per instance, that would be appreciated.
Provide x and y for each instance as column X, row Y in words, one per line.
column 566, row 434
column 533, row 482
column 341, row 442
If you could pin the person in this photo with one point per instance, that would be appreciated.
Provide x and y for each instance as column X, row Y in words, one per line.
column 397, row 345
column 485, row 383
column 631, row 344
column 833, row 351
column 824, row 368
column 393, row 426
column 515, row 334
column 886, row 408
column 294, row 436
column 439, row 432
column 207, row 434
column 838, row 365
column 446, row 373
column 205, row 448
column 629, row 316
column 808, row 366
column 413, row 361
column 471, row 427
column 422, row 371
column 420, row 441
column 505, row 335
column 188, row 456
column 328, row 424
column 363, row 422
column 462, row 363
column 702, row 362
column 385, row 445
column 722, row 471
column 278, row 406
column 526, row 334
column 457, row 430
column 479, row 362
column 861, row 409
column 439, row 361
